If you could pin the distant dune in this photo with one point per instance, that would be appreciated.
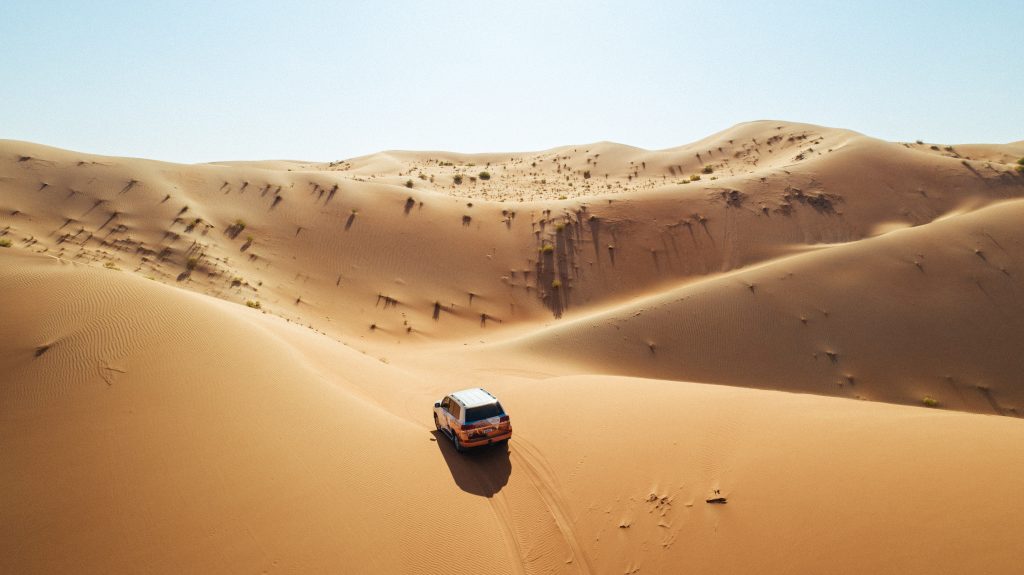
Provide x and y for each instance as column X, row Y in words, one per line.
column 229, row 367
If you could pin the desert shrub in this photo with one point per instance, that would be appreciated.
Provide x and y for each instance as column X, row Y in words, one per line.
column 547, row 249
column 457, row 178
column 1020, row 165
column 485, row 175
column 192, row 263
column 240, row 224
column 5, row 243
column 694, row 178
column 930, row 401
column 111, row 266
column 253, row 304
column 408, row 183
column 919, row 142
column 556, row 284
column 707, row 170
column 563, row 197
column 586, row 175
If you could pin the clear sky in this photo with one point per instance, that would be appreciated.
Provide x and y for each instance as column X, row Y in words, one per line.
column 207, row 81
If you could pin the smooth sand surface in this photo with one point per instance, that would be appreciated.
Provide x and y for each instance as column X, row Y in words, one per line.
column 824, row 330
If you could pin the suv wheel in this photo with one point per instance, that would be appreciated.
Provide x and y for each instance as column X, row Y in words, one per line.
column 458, row 444
column 437, row 423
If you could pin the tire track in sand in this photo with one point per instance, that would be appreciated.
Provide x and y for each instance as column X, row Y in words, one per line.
column 543, row 482
column 499, row 504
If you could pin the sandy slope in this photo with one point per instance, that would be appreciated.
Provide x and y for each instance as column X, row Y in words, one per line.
column 161, row 431
column 935, row 310
column 148, row 426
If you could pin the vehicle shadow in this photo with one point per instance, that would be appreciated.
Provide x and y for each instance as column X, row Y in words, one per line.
column 481, row 470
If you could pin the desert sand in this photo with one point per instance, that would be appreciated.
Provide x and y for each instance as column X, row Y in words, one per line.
column 230, row 367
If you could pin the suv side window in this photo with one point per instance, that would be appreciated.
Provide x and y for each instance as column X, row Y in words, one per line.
column 446, row 403
column 456, row 410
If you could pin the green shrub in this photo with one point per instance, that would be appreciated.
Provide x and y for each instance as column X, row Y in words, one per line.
column 408, row 183
column 694, row 178
column 485, row 175
column 547, row 249
column 556, row 284
column 707, row 170
column 253, row 304
column 5, row 243
column 457, row 178
column 930, row 401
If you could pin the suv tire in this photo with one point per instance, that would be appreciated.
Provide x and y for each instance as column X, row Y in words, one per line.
column 458, row 444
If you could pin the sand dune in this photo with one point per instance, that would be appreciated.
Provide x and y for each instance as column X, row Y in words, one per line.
column 229, row 367
column 936, row 313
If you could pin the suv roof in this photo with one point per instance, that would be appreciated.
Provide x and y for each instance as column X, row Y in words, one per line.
column 474, row 397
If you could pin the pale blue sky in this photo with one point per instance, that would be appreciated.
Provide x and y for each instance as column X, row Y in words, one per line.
column 208, row 81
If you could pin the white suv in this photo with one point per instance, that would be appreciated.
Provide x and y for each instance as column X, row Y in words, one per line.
column 471, row 418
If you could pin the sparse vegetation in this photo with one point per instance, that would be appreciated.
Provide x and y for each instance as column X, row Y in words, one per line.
column 111, row 266
column 408, row 183
column 1020, row 165
column 707, row 170
column 5, row 243
column 930, row 401
column 694, row 178
column 547, row 249
column 192, row 263
column 484, row 175
column 556, row 284
column 253, row 304
column 457, row 178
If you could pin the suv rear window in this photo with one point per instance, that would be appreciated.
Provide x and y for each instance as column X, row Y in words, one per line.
column 484, row 412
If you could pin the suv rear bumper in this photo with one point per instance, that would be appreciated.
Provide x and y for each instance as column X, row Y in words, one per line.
column 487, row 440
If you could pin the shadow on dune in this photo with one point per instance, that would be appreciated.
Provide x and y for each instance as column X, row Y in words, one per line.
column 480, row 471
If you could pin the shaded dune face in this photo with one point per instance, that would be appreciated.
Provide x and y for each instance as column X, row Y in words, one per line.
column 229, row 367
